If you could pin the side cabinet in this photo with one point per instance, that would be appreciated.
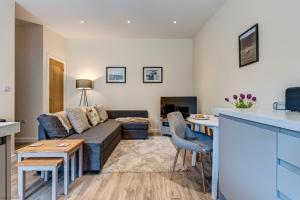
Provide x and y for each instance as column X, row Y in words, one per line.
column 2, row 170
column 248, row 160
column 288, row 178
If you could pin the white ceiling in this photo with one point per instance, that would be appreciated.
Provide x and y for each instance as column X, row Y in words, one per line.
column 108, row 18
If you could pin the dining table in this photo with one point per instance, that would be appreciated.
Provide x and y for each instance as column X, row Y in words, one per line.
column 211, row 122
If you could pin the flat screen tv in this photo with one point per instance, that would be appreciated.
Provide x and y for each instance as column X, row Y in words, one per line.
column 185, row 105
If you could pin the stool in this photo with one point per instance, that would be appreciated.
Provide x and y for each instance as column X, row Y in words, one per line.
column 38, row 164
column 44, row 174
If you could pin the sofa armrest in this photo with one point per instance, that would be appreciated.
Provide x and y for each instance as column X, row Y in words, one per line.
column 113, row 114
column 42, row 133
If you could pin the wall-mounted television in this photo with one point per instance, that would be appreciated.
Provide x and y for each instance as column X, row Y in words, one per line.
column 185, row 105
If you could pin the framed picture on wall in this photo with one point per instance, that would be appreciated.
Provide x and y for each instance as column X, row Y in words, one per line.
column 115, row 74
column 152, row 74
column 248, row 46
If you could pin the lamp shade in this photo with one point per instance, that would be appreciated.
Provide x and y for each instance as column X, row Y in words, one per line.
column 84, row 84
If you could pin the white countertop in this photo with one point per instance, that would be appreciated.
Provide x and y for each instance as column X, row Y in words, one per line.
column 9, row 128
column 278, row 118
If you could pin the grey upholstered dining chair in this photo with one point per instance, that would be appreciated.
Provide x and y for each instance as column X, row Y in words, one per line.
column 184, row 138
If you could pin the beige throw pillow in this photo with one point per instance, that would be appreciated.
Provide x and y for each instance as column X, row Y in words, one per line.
column 93, row 116
column 102, row 113
column 78, row 119
column 63, row 118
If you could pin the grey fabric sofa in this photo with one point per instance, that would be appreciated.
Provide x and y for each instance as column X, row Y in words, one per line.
column 101, row 140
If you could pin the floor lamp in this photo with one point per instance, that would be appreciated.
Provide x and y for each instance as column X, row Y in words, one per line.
column 84, row 85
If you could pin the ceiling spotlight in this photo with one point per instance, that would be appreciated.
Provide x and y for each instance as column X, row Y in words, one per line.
column 128, row 22
column 81, row 21
column 174, row 22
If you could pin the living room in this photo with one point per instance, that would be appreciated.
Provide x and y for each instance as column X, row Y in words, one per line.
column 122, row 60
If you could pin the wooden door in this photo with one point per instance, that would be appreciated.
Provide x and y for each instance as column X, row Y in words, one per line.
column 56, row 86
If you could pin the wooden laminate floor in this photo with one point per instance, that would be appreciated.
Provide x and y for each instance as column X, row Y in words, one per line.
column 121, row 186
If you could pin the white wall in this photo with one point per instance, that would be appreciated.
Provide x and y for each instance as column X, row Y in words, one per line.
column 29, row 78
column 7, row 60
column 34, row 44
column 216, row 68
column 54, row 46
column 89, row 58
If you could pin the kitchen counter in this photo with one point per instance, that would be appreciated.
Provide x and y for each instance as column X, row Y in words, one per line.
column 278, row 118
column 6, row 130
column 259, row 154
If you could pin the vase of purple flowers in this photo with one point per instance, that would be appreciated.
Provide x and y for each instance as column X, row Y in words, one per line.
column 243, row 101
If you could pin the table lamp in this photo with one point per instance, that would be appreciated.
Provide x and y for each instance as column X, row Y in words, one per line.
column 83, row 85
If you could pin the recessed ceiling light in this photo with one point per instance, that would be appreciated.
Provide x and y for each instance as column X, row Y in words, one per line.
column 81, row 21
column 174, row 22
column 128, row 22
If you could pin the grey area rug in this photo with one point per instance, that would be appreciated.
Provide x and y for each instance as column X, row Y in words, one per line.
column 156, row 154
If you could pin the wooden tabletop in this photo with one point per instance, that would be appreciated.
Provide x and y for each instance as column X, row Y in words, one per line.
column 51, row 146
column 40, row 162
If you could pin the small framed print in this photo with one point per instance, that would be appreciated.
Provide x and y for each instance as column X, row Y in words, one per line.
column 152, row 74
column 115, row 74
column 248, row 46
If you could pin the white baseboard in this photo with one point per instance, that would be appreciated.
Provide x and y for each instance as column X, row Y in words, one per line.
column 25, row 140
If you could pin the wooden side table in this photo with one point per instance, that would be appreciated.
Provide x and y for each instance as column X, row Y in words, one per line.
column 50, row 148
column 36, row 164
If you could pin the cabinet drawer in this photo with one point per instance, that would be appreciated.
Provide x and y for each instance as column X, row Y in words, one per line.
column 289, row 148
column 288, row 183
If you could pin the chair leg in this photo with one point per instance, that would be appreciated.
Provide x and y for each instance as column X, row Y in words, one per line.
column 175, row 161
column 202, row 172
column 184, row 157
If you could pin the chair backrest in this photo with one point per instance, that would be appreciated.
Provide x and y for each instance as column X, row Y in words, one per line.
column 177, row 124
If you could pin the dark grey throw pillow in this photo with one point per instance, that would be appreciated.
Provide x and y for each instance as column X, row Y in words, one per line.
column 53, row 126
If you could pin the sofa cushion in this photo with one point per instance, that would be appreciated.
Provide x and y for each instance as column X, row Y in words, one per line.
column 63, row 118
column 100, row 134
column 53, row 126
column 93, row 116
column 102, row 112
column 135, row 126
column 78, row 119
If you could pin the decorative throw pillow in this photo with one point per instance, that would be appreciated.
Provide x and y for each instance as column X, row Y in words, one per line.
column 93, row 116
column 52, row 126
column 78, row 119
column 84, row 109
column 63, row 118
column 102, row 113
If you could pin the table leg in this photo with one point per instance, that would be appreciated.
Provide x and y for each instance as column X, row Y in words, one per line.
column 66, row 174
column 54, row 183
column 21, row 184
column 19, row 157
column 46, row 176
column 43, row 175
column 194, row 158
column 215, row 165
column 73, row 168
column 80, row 161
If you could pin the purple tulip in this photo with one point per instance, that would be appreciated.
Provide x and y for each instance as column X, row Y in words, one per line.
column 242, row 96
column 253, row 98
column 235, row 97
column 227, row 99
column 249, row 96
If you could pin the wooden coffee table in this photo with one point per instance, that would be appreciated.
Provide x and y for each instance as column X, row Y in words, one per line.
column 50, row 148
